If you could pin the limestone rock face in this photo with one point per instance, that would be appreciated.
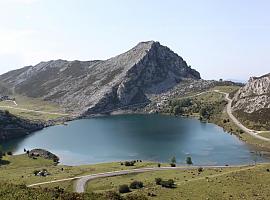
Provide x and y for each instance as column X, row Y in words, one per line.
column 89, row 87
column 254, row 96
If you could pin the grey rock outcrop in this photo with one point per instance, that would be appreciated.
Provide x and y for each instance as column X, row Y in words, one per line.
column 254, row 96
column 90, row 87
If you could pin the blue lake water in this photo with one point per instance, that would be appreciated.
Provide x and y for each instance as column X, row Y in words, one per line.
column 145, row 137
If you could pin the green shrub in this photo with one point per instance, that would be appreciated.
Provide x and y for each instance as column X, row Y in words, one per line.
column 158, row 181
column 135, row 197
column 111, row 195
column 200, row 169
column 124, row 189
column 130, row 163
column 136, row 185
column 173, row 165
column 168, row 184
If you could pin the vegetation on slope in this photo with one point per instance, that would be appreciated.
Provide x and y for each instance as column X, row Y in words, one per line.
column 249, row 182
column 20, row 169
column 11, row 126
column 29, row 104
column 210, row 106
column 11, row 191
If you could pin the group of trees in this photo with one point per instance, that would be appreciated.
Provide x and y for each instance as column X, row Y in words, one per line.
column 188, row 106
column 177, row 107
column 130, row 163
column 173, row 161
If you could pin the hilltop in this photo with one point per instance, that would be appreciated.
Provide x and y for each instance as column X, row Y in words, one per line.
column 89, row 87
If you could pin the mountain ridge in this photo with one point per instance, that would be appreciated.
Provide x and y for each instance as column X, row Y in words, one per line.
column 98, row 85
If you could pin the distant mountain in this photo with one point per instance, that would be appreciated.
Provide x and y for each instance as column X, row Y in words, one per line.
column 95, row 86
column 252, row 102
column 237, row 81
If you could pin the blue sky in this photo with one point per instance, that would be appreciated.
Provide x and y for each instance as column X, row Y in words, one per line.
column 219, row 38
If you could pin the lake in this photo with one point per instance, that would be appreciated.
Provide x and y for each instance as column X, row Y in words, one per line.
column 144, row 137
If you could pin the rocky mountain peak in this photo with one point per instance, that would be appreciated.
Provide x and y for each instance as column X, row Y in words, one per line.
column 95, row 86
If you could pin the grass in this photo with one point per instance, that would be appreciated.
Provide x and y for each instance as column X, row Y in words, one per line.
column 231, row 183
column 265, row 134
column 250, row 182
column 19, row 169
column 227, row 89
column 13, row 191
column 32, row 104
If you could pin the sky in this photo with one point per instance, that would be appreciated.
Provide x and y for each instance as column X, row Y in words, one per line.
column 227, row 39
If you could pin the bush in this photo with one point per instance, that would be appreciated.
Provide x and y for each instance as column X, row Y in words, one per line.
column 124, row 189
column 173, row 165
column 159, row 165
column 130, row 163
column 135, row 197
column 112, row 195
column 200, row 169
column 158, row 181
column 168, row 184
column 9, row 153
column 136, row 185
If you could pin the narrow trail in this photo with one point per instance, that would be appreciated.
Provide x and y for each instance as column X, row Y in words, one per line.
column 82, row 180
column 251, row 132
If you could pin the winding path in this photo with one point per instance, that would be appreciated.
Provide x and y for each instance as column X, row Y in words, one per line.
column 251, row 132
column 82, row 180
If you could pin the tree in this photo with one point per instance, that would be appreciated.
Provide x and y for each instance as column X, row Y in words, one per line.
column 177, row 110
column 173, row 161
column 188, row 160
column 204, row 113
